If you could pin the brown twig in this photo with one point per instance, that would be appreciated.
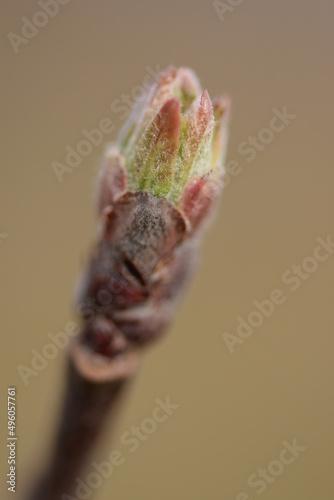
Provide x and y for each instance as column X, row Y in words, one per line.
column 95, row 385
column 156, row 190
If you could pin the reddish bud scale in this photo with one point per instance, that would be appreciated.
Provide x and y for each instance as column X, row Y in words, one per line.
column 163, row 138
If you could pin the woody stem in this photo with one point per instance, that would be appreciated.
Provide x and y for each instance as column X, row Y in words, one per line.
column 88, row 403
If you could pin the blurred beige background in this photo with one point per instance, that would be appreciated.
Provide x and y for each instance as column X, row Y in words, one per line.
column 235, row 409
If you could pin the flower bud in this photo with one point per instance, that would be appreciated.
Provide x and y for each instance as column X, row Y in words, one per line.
column 155, row 191
column 172, row 145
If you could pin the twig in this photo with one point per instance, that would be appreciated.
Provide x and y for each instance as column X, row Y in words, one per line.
column 156, row 190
